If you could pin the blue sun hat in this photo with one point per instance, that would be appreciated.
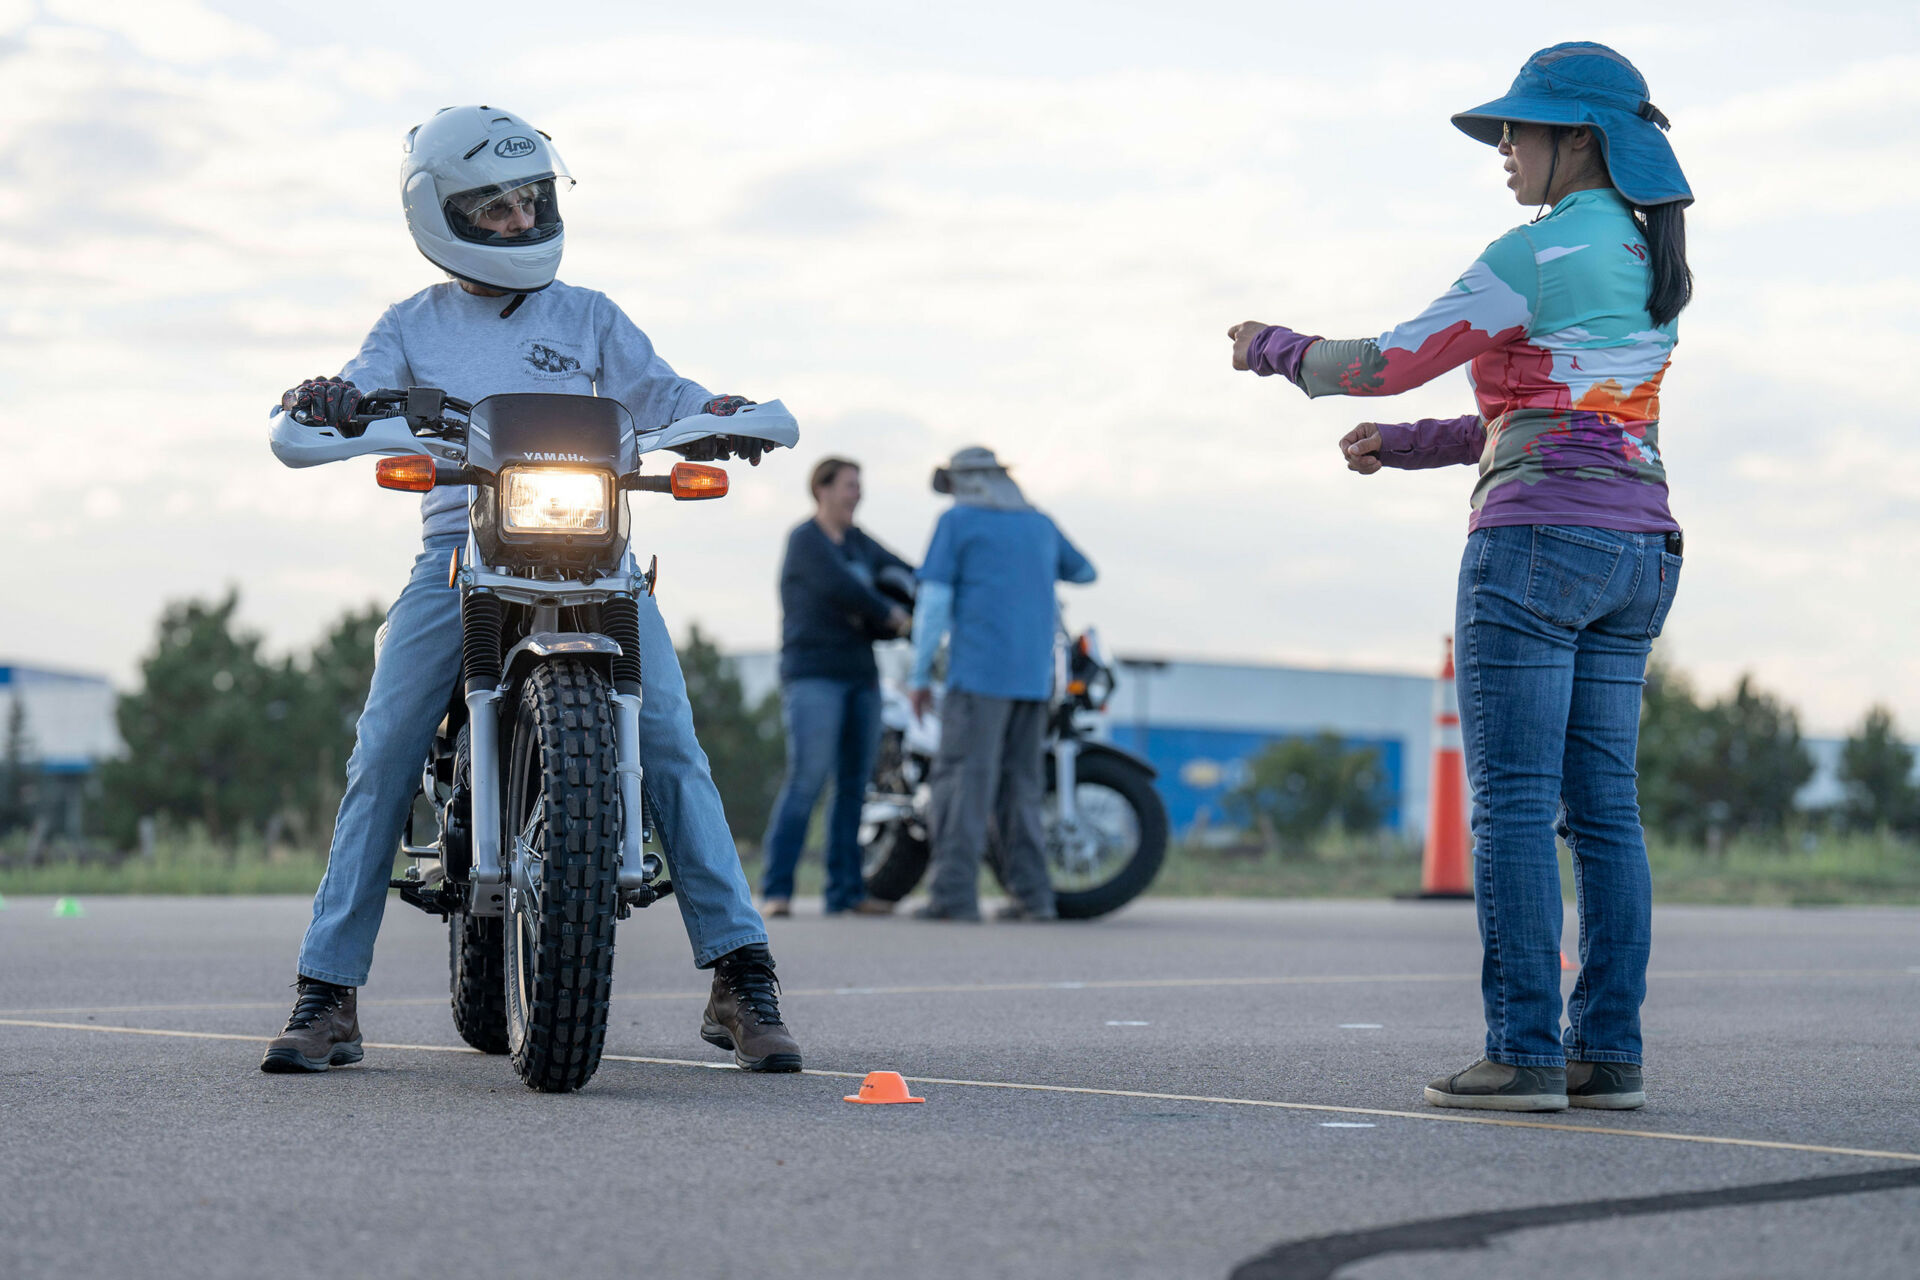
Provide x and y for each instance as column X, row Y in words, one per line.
column 1583, row 83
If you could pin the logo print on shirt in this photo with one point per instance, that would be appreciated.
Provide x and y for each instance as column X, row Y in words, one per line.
column 1637, row 250
column 547, row 360
column 513, row 148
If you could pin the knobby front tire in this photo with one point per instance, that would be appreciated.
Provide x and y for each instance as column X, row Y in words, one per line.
column 563, row 817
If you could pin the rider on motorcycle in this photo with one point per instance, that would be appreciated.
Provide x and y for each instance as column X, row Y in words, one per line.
column 480, row 187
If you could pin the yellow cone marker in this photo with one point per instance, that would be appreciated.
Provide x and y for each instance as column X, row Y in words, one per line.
column 67, row 909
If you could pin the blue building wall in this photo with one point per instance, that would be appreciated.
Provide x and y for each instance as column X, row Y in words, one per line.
column 1199, row 766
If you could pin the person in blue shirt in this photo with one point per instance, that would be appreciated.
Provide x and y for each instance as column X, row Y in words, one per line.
column 832, row 612
column 988, row 579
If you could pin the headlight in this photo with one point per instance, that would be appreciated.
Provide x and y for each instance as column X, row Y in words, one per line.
column 555, row 500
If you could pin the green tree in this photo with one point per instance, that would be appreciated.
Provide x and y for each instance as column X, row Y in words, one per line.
column 19, row 769
column 1302, row 787
column 743, row 743
column 205, row 733
column 1876, row 768
column 332, row 690
column 1725, row 768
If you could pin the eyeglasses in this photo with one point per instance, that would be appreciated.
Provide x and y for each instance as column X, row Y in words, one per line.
column 499, row 210
column 1506, row 133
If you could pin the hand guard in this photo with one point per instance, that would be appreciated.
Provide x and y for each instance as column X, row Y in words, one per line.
column 327, row 402
column 721, row 448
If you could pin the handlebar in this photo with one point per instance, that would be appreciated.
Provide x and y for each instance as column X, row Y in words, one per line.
column 424, row 408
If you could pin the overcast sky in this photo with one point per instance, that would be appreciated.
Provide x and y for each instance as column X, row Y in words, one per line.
column 1026, row 225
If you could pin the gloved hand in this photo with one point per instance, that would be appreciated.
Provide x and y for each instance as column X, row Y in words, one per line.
column 326, row 401
column 721, row 448
column 726, row 406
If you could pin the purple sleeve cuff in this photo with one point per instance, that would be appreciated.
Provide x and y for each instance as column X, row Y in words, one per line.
column 1279, row 349
column 1432, row 442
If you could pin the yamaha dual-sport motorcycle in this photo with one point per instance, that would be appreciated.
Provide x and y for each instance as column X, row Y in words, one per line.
column 1105, row 825
column 534, row 776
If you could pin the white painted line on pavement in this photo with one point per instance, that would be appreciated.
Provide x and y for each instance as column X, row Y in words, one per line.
column 1360, row 1026
column 990, row 988
column 1129, row 1024
column 1265, row 1104
column 1348, row 1124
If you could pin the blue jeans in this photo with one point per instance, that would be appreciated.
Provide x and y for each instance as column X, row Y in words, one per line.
column 833, row 726
column 1554, row 627
column 413, row 681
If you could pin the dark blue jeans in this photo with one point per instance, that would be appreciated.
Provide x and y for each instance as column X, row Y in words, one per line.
column 1554, row 627
column 833, row 727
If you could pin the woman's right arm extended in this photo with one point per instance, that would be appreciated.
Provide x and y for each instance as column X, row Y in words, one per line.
column 1493, row 302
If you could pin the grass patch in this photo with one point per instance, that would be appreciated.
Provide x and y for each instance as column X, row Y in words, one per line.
column 186, row 863
column 1833, row 870
column 1848, row 870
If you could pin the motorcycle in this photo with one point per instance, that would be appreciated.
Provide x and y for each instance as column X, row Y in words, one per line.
column 541, row 834
column 1105, row 824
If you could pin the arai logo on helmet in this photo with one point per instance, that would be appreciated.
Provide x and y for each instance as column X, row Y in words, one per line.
column 555, row 457
column 513, row 148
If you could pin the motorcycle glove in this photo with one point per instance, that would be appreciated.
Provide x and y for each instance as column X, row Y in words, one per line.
column 721, row 448
column 328, row 402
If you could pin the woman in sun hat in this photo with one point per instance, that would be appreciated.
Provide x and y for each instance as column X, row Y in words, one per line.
column 1567, row 325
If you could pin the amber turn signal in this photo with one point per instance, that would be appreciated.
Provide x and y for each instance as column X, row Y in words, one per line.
column 697, row 480
column 413, row 473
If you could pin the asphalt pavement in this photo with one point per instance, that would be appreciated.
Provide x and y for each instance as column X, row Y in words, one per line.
column 1185, row 1089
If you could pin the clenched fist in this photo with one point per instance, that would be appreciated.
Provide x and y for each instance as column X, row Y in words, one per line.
column 1361, row 448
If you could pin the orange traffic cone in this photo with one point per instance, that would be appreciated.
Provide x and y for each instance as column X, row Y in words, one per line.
column 1444, row 871
column 881, row 1087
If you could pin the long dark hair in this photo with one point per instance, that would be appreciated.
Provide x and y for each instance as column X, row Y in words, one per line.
column 1665, row 226
column 1672, row 286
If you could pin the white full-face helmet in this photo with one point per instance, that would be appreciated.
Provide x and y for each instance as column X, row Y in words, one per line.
column 481, row 190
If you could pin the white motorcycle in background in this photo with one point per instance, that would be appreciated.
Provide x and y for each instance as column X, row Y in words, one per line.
column 534, row 777
column 1105, row 825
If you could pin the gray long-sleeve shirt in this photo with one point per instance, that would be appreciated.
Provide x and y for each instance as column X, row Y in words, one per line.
column 560, row 339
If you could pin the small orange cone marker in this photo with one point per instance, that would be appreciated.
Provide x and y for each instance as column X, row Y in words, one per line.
column 881, row 1087
column 1566, row 965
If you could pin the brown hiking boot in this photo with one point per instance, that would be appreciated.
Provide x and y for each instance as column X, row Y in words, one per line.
column 323, row 1030
column 743, row 1013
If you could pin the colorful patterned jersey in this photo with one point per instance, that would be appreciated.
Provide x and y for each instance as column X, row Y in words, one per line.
column 1551, row 321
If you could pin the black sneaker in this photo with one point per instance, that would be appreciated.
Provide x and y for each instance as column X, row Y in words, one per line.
column 323, row 1031
column 1606, row 1086
column 1500, row 1086
column 743, row 1013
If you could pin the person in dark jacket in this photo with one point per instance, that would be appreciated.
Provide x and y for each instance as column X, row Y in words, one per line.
column 833, row 612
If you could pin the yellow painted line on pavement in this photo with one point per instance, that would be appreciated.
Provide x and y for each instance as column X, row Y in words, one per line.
column 1434, row 1116
column 988, row 988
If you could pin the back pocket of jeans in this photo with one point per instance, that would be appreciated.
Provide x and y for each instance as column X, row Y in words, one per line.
column 1669, row 585
column 1568, row 574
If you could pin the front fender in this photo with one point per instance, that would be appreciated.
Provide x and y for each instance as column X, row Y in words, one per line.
column 1090, row 747
column 595, row 650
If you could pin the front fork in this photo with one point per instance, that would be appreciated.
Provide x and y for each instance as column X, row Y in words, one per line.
column 1066, row 774
column 489, row 876
column 638, row 868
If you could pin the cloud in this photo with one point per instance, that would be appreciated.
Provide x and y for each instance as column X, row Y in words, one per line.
column 920, row 248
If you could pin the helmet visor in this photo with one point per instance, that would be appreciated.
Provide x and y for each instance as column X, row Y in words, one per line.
column 524, row 210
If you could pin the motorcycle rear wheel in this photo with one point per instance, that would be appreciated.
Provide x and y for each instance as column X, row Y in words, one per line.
column 895, row 859
column 563, row 814
column 479, row 981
